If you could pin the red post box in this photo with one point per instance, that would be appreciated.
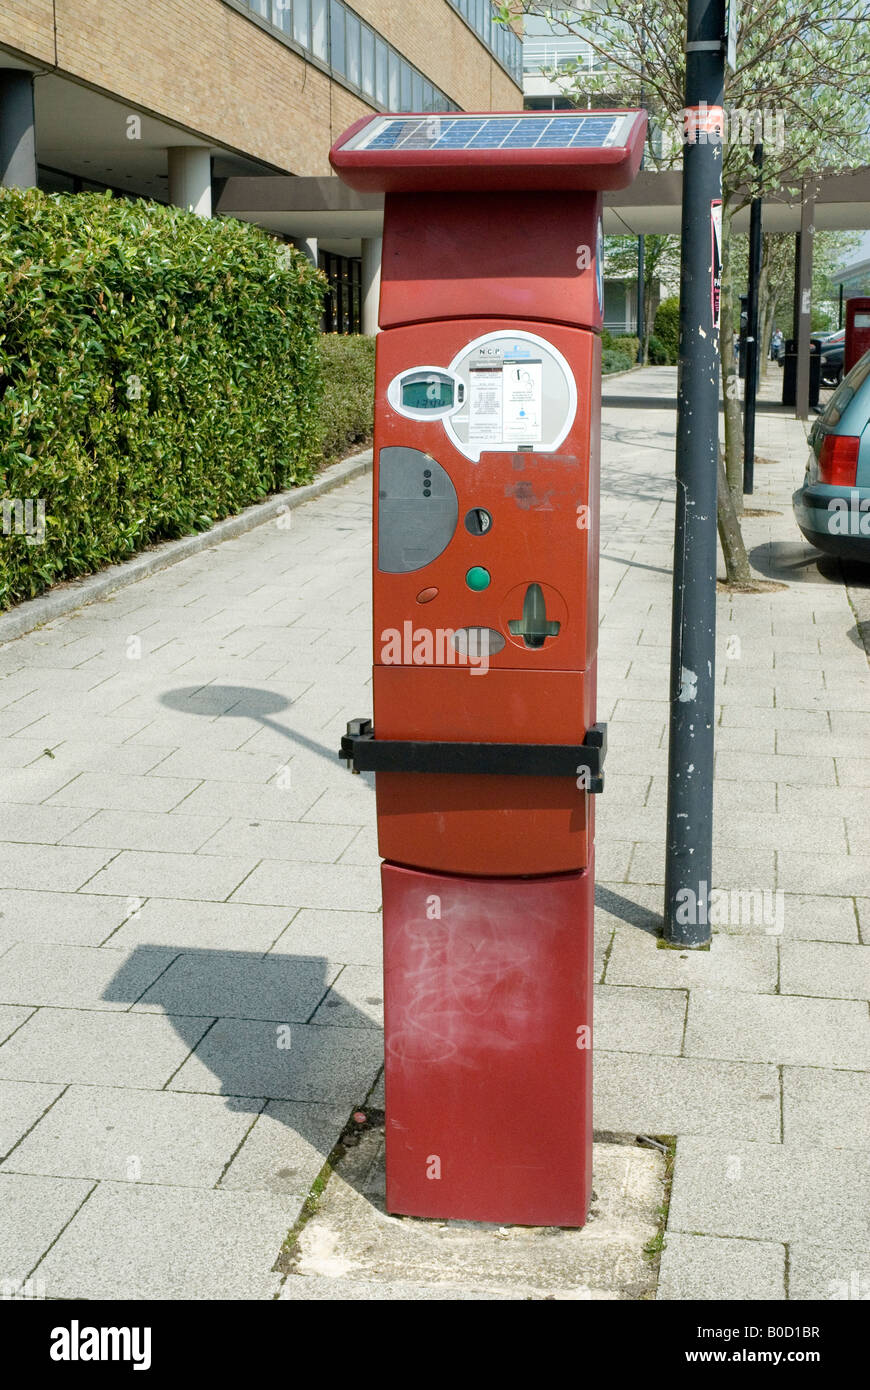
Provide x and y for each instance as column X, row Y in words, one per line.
column 857, row 331
column 484, row 744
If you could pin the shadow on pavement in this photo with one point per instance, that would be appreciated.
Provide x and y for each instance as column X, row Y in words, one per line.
column 246, row 1022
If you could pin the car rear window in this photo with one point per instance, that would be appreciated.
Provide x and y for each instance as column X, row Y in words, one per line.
column 845, row 392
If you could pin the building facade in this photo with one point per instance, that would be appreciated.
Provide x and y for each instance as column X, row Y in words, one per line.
column 170, row 98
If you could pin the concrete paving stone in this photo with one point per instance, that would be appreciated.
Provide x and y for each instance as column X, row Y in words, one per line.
column 778, row 1028
column 98, row 1048
column 152, row 874
column 125, row 1135
column 826, row 969
column 803, row 917
column 55, row 727
column 238, row 984
column 286, row 1149
column 187, row 730
column 351, row 803
column 77, row 977
column 737, row 826
column 58, row 867
column 363, row 848
column 338, row 886
column 630, row 1019
column 319, row 844
column 810, row 721
column 355, row 1000
column 641, row 823
column 793, row 741
column 853, row 772
column 250, row 801
column 134, row 759
column 625, row 789
column 737, row 738
column 21, row 1105
column 828, row 1273
column 19, row 752
column 840, row 875
column 12, row 1017
column 35, row 782
column 849, row 724
column 33, row 1212
column 727, row 1187
column 201, row 1245
column 638, row 1094
column 831, row 1106
column 224, row 765
column 762, row 767
column 243, row 1057
column 732, row 962
column 354, row 938
column 634, row 904
column 827, row 802
column 612, row 859
column 633, row 755
column 106, row 791
column 81, row 919
column 733, row 868
column 184, row 925
column 862, row 908
column 145, row 830
column 707, row 1267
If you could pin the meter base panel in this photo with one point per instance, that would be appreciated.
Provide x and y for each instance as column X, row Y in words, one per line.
column 488, row 1016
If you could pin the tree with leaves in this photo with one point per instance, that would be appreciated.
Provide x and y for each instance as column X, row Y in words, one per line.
column 803, row 65
column 661, row 261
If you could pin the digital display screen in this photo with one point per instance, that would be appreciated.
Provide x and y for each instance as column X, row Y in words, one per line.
column 428, row 393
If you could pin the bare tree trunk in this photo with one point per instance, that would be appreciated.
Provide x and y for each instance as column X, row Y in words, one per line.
column 730, row 376
column 737, row 569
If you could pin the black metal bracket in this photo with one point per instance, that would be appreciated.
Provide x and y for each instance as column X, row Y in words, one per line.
column 583, row 761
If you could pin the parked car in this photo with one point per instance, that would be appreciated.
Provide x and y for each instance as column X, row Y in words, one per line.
column 832, row 348
column 832, row 508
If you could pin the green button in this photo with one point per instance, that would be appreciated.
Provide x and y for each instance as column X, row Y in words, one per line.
column 477, row 578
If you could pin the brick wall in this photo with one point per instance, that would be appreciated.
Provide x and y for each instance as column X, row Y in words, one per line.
column 204, row 65
column 28, row 25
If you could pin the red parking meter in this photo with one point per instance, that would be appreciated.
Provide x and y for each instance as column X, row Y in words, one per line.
column 484, row 743
column 857, row 332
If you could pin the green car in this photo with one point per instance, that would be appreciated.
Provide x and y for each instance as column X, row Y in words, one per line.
column 832, row 508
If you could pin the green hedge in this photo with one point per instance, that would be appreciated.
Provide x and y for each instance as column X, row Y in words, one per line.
column 666, row 328
column 613, row 361
column 157, row 371
column 347, row 408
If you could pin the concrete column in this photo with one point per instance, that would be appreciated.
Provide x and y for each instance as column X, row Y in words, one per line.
column 190, row 178
column 17, row 130
column 308, row 246
column 370, row 287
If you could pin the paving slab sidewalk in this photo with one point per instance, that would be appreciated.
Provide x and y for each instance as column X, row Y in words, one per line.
column 189, row 937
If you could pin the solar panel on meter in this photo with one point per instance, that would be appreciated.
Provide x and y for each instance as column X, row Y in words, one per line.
column 506, row 150
column 589, row 131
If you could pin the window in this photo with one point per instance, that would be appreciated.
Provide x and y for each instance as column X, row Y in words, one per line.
column 352, row 45
column 395, row 101
column 382, row 87
column 336, row 36
column 282, row 15
column 416, row 91
column 301, row 23
column 368, row 61
column 319, row 30
column 405, row 97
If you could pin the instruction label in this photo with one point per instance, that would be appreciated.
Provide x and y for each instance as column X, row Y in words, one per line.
column 522, row 393
column 485, row 403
